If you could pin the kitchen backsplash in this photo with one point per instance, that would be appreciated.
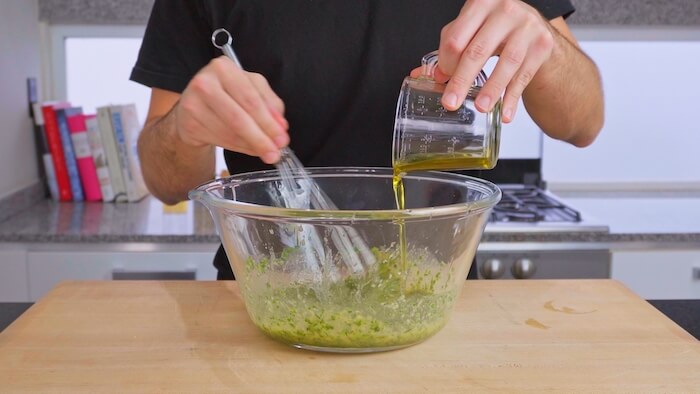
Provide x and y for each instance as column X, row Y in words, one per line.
column 590, row 12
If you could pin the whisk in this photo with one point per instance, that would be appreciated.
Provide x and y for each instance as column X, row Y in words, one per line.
column 298, row 190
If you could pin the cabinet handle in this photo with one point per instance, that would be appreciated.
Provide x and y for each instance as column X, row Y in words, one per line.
column 696, row 273
column 121, row 274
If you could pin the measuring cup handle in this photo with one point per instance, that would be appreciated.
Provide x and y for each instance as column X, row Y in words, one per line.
column 430, row 62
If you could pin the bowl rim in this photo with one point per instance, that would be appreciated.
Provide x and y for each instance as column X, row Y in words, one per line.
column 492, row 195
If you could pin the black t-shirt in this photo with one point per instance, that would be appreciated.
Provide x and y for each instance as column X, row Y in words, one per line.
column 338, row 65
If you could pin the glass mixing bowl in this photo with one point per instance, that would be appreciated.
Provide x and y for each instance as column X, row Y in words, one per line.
column 304, row 287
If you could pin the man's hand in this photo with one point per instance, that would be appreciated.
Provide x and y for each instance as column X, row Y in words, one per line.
column 237, row 110
column 511, row 29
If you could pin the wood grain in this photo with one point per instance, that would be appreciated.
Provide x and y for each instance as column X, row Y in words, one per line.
column 509, row 336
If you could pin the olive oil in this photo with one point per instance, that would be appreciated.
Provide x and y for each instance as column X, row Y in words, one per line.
column 401, row 204
column 445, row 161
column 431, row 161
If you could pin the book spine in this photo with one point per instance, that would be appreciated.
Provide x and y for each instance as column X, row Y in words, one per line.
column 99, row 158
column 122, row 150
column 104, row 120
column 51, row 177
column 53, row 139
column 43, row 152
column 132, row 129
column 69, row 154
column 83, row 157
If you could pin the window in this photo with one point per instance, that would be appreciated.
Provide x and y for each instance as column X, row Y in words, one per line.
column 97, row 73
column 91, row 67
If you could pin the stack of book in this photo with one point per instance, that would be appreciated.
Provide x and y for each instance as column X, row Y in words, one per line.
column 89, row 157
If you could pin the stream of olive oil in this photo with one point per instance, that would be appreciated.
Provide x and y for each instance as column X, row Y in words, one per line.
column 429, row 161
column 400, row 204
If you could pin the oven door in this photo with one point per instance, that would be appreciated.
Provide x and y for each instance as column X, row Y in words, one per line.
column 542, row 261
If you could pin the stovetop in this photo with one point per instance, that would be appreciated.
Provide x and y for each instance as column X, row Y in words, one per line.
column 530, row 208
column 531, row 204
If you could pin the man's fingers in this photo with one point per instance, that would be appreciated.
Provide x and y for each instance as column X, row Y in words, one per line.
column 519, row 82
column 206, row 121
column 456, row 35
column 283, row 140
column 475, row 56
column 235, row 120
column 510, row 60
column 439, row 76
column 273, row 101
column 249, row 132
column 238, row 85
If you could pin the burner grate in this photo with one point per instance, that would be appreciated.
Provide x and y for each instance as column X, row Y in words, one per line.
column 531, row 204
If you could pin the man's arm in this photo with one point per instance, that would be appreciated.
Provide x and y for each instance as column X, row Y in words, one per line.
column 170, row 166
column 538, row 60
column 565, row 97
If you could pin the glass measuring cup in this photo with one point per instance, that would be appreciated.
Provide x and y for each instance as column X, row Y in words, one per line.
column 429, row 137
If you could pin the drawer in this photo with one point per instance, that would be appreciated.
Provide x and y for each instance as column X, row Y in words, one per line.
column 14, row 284
column 47, row 268
column 659, row 275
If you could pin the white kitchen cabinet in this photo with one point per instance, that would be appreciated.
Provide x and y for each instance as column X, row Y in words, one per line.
column 14, row 284
column 659, row 274
column 48, row 268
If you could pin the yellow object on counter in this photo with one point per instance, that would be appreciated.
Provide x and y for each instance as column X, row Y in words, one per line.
column 180, row 207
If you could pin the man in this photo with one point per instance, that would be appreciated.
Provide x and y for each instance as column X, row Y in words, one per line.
column 324, row 76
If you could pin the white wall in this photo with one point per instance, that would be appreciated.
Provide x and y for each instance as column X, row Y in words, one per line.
column 651, row 137
column 19, row 59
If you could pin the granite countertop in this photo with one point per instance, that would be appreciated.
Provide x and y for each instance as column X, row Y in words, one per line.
column 657, row 219
column 148, row 220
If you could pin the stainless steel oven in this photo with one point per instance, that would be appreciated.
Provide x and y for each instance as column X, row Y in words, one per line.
column 529, row 209
column 533, row 261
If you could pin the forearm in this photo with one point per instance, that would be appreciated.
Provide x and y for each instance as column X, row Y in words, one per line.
column 565, row 96
column 170, row 166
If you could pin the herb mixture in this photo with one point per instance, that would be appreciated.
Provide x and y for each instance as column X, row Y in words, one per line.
column 381, row 308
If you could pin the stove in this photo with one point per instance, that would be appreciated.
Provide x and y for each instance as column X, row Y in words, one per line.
column 531, row 209
column 530, row 204
column 511, row 248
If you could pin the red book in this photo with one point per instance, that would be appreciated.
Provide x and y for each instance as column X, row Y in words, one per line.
column 53, row 138
column 83, row 157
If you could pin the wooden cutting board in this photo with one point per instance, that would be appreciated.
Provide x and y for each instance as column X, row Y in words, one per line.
column 559, row 336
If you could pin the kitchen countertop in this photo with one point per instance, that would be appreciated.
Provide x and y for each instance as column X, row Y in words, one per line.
column 562, row 336
column 148, row 220
column 633, row 219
